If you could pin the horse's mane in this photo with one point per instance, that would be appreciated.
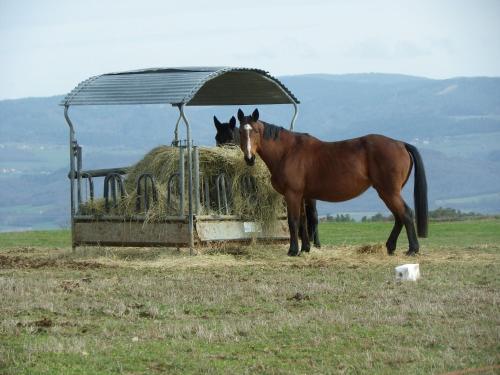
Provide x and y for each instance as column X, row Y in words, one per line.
column 271, row 131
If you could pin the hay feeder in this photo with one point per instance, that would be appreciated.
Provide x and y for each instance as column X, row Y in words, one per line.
column 194, row 209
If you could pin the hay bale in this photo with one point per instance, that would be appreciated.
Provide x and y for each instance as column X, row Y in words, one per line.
column 263, row 204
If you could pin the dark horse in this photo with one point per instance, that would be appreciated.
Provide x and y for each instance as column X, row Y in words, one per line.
column 227, row 134
column 303, row 167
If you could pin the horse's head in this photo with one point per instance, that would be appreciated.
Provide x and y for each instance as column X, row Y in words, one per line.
column 249, row 135
column 225, row 132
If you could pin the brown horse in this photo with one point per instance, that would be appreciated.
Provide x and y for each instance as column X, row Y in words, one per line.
column 303, row 167
column 228, row 134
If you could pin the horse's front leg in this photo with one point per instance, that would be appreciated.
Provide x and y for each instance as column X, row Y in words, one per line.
column 293, row 203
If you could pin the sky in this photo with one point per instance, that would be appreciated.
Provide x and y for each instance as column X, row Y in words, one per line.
column 48, row 47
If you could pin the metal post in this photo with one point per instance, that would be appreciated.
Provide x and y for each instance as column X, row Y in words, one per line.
column 181, row 180
column 176, row 132
column 78, row 150
column 196, row 180
column 207, row 193
column 295, row 114
column 72, row 142
column 190, row 180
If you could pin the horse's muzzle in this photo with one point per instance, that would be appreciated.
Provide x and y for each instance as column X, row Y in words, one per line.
column 250, row 161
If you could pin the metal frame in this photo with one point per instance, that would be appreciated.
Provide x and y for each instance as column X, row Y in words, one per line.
column 99, row 95
column 293, row 100
column 190, row 179
column 72, row 142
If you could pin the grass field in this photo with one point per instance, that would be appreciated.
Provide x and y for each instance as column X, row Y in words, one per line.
column 253, row 309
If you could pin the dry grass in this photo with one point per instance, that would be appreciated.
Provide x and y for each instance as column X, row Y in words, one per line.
column 247, row 310
column 231, row 255
column 372, row 249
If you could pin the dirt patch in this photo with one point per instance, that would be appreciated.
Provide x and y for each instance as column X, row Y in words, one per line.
column 23, row 262
column 69, row 285
column 299, row 297
column 43, row 323
column 83, row 265
column 34, row 263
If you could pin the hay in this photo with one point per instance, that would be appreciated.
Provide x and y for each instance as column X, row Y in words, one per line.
column 372, row 249
column 261, row 203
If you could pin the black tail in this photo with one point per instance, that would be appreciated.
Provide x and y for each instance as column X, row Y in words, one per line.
column 419, row 191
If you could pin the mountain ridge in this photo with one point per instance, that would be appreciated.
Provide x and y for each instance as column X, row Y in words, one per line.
column 454, row 122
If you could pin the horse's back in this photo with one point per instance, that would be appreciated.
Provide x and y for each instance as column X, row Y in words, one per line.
column 336, row 171
column 353, row 165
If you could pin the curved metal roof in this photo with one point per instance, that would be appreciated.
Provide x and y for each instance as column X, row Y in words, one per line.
column 177, row 86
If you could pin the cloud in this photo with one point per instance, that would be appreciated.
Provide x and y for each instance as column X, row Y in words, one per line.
column 285, row 48
column 377, row 49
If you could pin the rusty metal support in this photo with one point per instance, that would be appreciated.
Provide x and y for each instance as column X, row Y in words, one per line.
column 248, row 183
column 222, row 202
column 145, row 196
column 170, row 190
column 206, row 185
column 110, row 182
column 90, row 184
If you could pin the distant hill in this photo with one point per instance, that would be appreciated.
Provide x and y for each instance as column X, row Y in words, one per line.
column 454, row 122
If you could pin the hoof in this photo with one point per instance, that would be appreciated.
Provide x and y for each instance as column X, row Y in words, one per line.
column 293, row 253
column 391, row 248
column 411, row 253
column 305, row 249
column 317, row 245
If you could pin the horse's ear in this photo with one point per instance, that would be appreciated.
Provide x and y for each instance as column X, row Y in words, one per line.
column 232, row 123
column 255, row 115
column 241, row 115
column 217, row 122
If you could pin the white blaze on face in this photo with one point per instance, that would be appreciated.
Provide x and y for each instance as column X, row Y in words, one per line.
column 248, row 129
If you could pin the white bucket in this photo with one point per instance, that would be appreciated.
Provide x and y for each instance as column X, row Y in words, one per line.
column 409, row 272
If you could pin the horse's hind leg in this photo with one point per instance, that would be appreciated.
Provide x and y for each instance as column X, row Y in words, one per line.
column 393, row 237
column 402, row 216
column 303, row 229
column 410, row 231
column 312, row 221
column 293, row 203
